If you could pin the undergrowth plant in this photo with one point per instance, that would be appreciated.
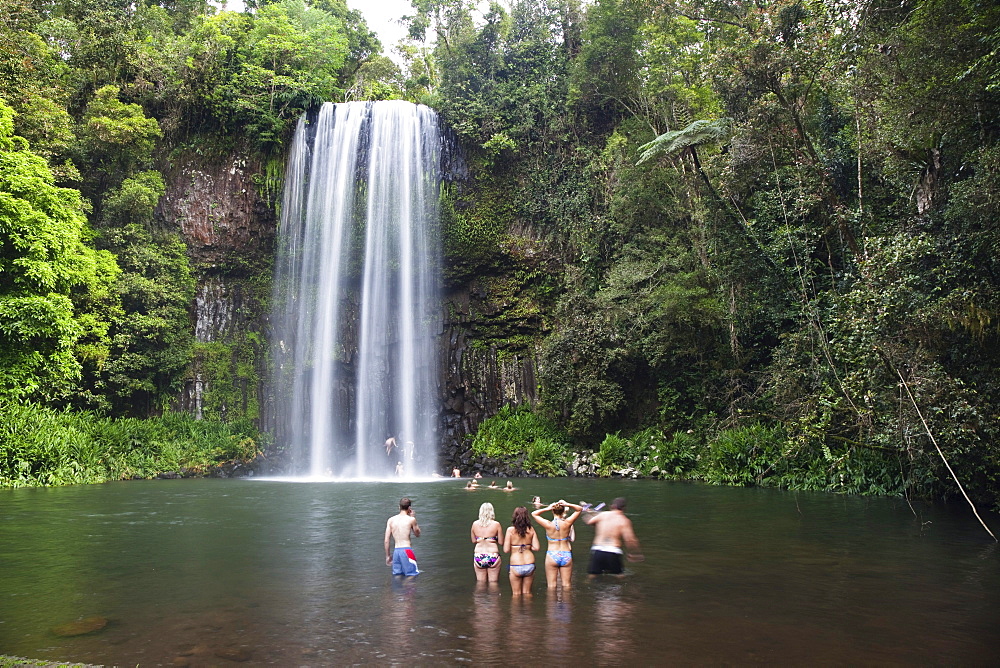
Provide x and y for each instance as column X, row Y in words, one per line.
column 617, row 454
column 742, row 456
column 43, row 446
column 518, row 436
column 676, row 457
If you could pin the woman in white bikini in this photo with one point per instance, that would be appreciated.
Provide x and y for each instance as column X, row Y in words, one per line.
column 520, row 542
column 559, row 556
column 486, row 534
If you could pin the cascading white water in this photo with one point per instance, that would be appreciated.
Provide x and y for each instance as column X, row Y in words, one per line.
column 355, row 302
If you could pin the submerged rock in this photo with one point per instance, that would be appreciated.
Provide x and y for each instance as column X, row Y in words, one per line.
column 80, row 627
column 234, row 654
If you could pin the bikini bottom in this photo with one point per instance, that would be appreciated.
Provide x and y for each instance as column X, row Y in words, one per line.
column 486, row 560
column 522, row 570
column 560, row 557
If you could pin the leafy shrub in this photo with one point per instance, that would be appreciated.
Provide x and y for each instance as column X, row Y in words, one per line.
column 516, row 435
column 743, row 456
column 675, row 458
column 546, row 457
column 650, row 453
column 615, row 454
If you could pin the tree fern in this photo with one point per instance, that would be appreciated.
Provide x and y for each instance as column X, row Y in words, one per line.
column 696, row 134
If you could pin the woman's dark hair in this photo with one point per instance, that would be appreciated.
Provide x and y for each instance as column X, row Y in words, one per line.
column 558, row 509
column 521, row 521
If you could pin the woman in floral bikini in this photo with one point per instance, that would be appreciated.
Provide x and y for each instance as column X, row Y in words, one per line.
column 486, row 534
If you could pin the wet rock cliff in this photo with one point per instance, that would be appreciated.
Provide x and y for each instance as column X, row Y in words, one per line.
column 496, row 316
column 227, row 219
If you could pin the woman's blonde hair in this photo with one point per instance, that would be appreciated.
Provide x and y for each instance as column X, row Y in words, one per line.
column 486, row 514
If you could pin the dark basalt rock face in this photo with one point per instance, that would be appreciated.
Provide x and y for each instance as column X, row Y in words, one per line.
column 229, row 227
column 476, row 381
column 217, row 208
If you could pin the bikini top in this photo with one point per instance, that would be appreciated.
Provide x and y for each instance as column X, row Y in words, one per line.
column 555, row 521
column 493, row 538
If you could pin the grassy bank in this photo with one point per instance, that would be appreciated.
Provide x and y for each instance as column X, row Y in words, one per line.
column 42, row 446
column 18, row 662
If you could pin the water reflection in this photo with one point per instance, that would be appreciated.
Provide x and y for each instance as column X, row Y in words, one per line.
column 559, row 616
column 614, row 621
column 397, row 626
column 524, row 636
column 487, row 622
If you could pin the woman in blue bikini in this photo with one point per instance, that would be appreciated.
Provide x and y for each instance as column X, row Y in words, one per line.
column 559, row 557
column 486, row 534
column 521, row 541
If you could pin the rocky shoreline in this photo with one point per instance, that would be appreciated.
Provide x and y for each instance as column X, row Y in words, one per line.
column 580, row 465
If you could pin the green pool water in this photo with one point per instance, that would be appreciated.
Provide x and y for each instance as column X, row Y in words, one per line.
column 220, row 572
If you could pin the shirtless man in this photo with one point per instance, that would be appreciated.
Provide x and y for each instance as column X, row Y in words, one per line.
column 400, row 526
column 611, row 529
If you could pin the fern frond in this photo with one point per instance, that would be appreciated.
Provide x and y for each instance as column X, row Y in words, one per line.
column 698, row 133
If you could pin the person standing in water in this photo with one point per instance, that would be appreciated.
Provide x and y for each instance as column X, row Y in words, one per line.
column 521, row 542
column 399, row 527
column 611, row 529
column 559, row 556
column 486, row 534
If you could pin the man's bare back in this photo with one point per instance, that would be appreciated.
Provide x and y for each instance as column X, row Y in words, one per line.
column 612, row 529
column 399, row 528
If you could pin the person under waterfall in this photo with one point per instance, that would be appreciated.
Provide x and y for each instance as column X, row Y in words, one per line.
column 399, row 528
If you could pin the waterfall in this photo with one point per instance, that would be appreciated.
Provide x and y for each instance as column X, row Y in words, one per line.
column 355, row 312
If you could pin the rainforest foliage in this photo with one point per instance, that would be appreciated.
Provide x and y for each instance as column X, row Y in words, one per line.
column 762, row 237
column 775, row 225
